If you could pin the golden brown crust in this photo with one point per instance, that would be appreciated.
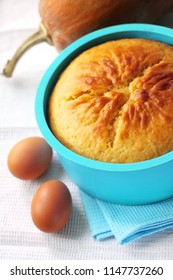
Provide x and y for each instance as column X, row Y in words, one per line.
column 114, row 102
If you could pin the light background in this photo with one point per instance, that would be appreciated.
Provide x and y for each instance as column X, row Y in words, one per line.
column 19, row 238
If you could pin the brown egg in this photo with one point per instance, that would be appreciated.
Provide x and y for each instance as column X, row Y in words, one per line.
column 29, row 158
column 51, row 206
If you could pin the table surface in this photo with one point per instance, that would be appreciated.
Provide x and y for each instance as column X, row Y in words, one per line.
column 19, row 238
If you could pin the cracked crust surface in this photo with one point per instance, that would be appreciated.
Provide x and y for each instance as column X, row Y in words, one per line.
column 114, row 102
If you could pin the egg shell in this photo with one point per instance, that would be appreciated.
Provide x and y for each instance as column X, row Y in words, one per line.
column 51, row 206
column 29, row 158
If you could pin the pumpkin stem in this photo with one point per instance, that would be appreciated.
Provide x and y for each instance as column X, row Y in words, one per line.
column 40, row 36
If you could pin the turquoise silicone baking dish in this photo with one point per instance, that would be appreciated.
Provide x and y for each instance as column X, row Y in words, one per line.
column 133, row 183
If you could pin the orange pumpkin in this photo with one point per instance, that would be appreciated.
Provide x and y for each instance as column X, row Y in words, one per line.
column 67, row 20
column 63, row 21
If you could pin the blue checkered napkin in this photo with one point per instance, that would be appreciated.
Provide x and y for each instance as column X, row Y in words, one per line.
column 126, row 223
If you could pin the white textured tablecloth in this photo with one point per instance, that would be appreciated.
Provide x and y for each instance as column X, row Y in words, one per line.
column 19, row 238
